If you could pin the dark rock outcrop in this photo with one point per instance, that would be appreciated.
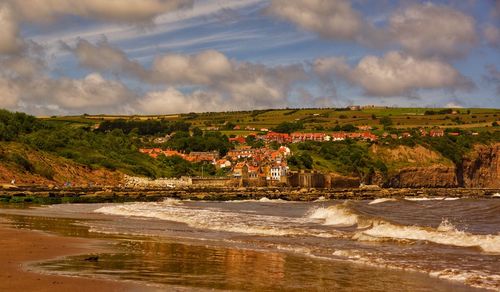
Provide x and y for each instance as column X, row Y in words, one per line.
column 424, row 177
column 481, row 167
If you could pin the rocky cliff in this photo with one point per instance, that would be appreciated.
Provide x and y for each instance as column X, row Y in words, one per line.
column 417, row 167
column 414, row 167
column 28, row 166
column 437, row 176
column 481, row 167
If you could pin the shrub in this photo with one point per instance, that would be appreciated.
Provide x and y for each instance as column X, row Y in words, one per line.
column 24, row 163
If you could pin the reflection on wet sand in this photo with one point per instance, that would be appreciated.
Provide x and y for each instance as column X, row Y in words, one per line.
column 238, row 269
column 161, row 262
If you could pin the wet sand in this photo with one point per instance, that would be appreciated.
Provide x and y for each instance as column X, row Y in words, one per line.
column 18, row 247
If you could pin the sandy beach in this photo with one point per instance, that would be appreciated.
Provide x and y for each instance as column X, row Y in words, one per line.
column 18, row 247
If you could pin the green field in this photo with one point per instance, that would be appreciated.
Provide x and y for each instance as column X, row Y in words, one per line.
column 322, row 120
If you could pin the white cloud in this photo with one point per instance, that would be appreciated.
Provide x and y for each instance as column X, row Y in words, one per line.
column 9, row 94
column 10, row 41
column 110, row 10
column 104, row 57
column 424, row 30
column 331, row 18
column 18, row 66
column 240, row 83
column 202, row 68
column 433, row 30
column 172, row 100
column 394, row 74
column 91, row 92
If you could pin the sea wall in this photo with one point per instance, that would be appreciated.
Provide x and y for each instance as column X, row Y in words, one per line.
column 144, row 182
column 42, row 195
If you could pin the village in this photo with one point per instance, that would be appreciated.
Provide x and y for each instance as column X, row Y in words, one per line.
column 267, row 165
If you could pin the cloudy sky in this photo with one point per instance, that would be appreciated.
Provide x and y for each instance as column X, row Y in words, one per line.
column 170, row 56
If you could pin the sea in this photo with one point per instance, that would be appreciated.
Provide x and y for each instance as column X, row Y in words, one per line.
column 387, row 244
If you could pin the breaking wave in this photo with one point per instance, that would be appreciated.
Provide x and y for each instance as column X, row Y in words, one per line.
column 337, row 215
column 261, row 200
column 214, row 219
column 445, row 234
column 431, row 199
column 382, row 200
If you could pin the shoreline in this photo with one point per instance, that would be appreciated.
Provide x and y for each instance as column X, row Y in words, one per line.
column 50, row 247
column 19, row 248
column 48, row 195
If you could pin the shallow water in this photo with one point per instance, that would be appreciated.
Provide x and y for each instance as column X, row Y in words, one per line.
column 381, row 245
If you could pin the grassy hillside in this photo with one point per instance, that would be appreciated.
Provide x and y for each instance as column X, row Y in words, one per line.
column 26, row 165
column 317, row 119
column 40, row 149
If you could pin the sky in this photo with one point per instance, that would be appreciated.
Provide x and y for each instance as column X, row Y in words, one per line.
column 65, row 57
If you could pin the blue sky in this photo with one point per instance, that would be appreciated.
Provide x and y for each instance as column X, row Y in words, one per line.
column 211, row 55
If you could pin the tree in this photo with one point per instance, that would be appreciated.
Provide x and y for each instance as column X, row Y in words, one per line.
column 386, row 122
column 197, row 132
column 250, row 139
column 301, row 161
column 348, row 128
column 288, row 127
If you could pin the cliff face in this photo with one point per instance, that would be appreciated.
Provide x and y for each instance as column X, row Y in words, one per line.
column 28, row 166
column 481, row 167
column 414, row 167
column 424, row 177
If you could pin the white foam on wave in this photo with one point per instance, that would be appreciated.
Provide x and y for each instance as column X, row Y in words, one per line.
column 336, row 215
column 261, row 200
column 215, row 219
column 431, row 198
column 266, row 200
column 321, row 199
column 496, row 195
column 445, row 233
column 473, row 278
column 382, row 200
column 172, row 202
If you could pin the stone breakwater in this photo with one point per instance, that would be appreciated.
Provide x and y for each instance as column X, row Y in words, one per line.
column 44, row 195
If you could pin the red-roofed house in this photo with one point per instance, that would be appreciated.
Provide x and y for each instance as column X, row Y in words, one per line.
column 436, row 133
column 277, row 137
column 301, row 137
column 339, row 136
column 238, row 139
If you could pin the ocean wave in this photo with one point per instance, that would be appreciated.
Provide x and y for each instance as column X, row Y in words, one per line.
column 473, row 278
column 261, row 200
column 382, row 200
column 337, row 215
column 445, row 234
column 217, row 220
column 431, row 198
column 266, row 200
